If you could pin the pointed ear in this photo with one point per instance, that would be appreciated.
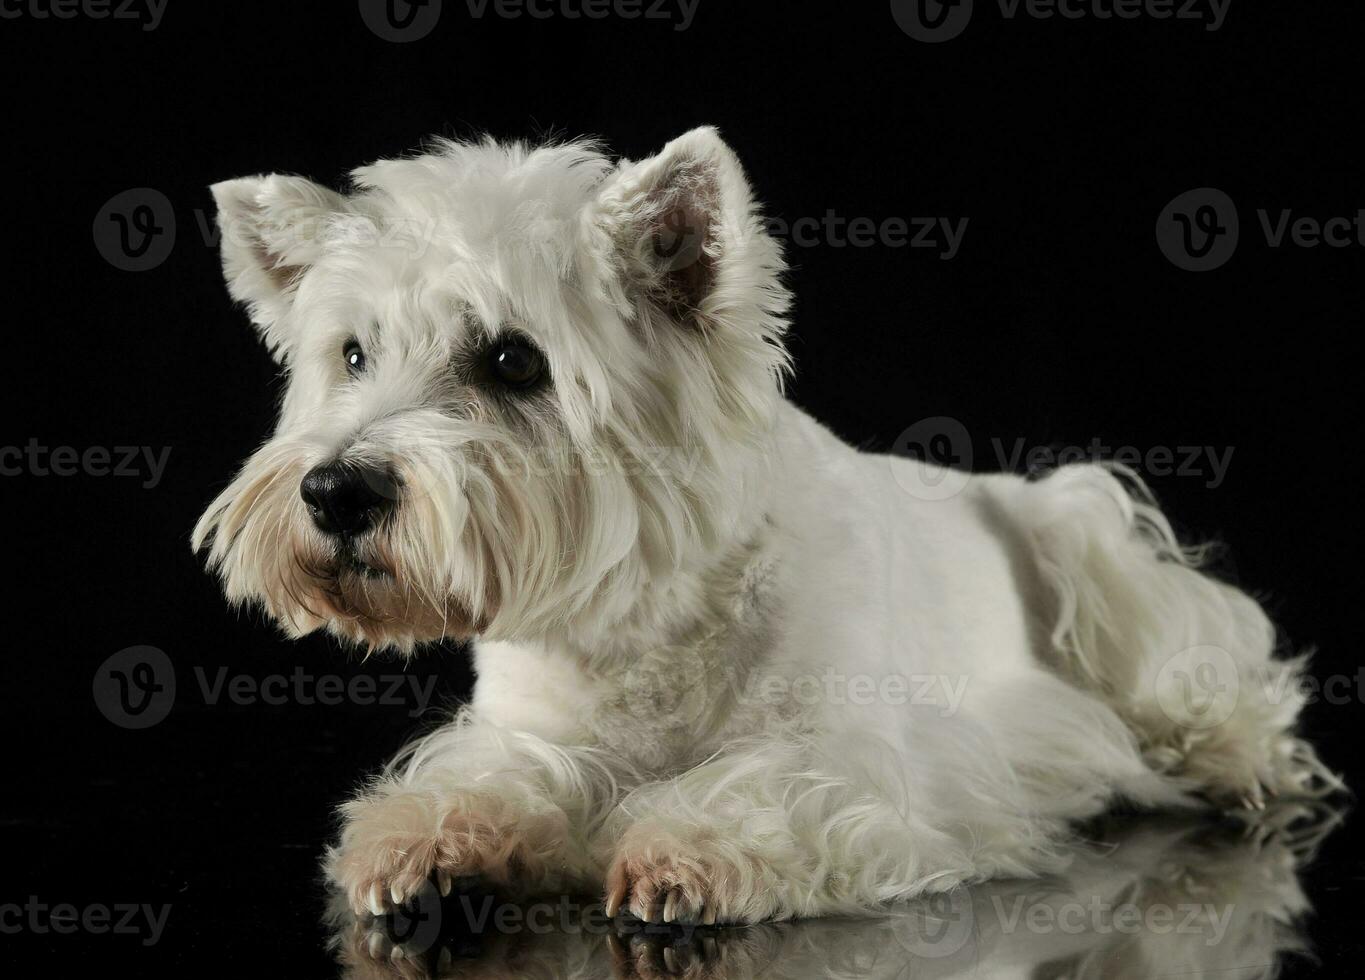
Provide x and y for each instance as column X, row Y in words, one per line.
column 271, row 230
column 689, row 238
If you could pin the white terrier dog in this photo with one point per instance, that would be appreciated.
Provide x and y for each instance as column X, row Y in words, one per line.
column 729, row 668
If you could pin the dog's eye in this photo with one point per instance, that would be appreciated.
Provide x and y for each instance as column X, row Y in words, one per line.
column 516, row 364
column 354, row 357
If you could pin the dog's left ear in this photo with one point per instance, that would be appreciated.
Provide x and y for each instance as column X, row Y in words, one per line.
column 271, row 231
column 689, row 239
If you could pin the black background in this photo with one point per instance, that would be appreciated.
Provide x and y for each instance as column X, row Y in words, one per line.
column 1059, row 321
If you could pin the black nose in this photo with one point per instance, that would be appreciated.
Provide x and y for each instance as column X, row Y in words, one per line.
column 346, row 498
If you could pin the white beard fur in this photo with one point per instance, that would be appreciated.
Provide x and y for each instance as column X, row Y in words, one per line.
column 634, row 728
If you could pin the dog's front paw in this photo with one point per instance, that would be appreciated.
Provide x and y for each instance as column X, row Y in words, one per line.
column 391, row 844
column 659, row 876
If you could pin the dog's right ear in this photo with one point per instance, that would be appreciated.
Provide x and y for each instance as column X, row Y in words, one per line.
column 271, row 230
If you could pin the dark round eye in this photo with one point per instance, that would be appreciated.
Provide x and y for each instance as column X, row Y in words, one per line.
column 354, row 356
column 517, row 364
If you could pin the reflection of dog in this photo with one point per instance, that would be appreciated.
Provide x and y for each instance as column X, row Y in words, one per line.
column 729, row 668
column 1161, row 898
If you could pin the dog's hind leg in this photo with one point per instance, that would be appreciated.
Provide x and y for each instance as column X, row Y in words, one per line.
column 1187, row 661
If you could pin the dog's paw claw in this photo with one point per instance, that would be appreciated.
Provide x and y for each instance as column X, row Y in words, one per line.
column 376, row 901
column 617, row 885
column 695, row 887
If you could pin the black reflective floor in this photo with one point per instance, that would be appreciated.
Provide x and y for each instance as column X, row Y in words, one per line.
column 1152, row 897
column 1145, row 896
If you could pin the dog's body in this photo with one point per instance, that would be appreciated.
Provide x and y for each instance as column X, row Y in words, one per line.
column 729, row 668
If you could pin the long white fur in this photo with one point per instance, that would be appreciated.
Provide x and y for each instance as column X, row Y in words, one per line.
column 664, row 534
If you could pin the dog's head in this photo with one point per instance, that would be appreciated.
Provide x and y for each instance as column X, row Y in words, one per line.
column 525, row 385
